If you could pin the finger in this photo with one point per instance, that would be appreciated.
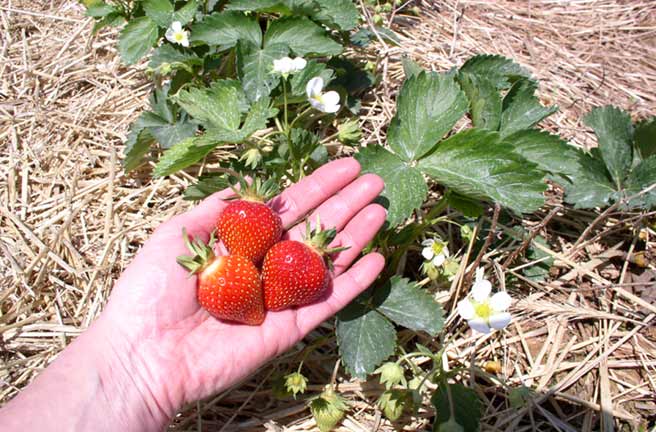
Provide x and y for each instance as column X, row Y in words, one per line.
column 345, row 288
column 300, row 198
column 356, row 235
column 338, row 210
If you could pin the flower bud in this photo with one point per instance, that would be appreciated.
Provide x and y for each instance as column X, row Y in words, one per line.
column 296, row 383
column 349, row 132
column 391, row 374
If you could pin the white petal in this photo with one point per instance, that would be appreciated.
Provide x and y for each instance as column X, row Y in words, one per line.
column 299, row 63
column 314, row 87
column 481, row 290
column 500, row 320
column 185, row 40
column 330, row 98
column 330, row 109
column 439, row 260
column 445, row 251
column 427, row 253
column 500, row 301
column 480, row 272
column 479, row 325
column 466, row 309
column 176, row 26
column 170, row 35
column 428, row 242
column 316, row 104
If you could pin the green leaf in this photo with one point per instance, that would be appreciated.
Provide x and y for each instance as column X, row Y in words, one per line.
column 466, row 406
column 549, row 152
column 615, row 133
column 521, row 109
column 206, row 185
column 350, row 75
column 255, row 120
column 283, row 7
column 478, row 164
column 168, row 134
column 218, row 106
column 469, row 207
column 591, row 186
column 160, row 11
column 410, row 67
column 642, row 176
column 252, row 5
column 645, row 137
column 365, row 338
column 225, row 29
column 405, row 188
column 339, row 14
column 100, row 10
column 538, row 272
column 299, row 80
column 136, row 146
column 408, row 305
column 167, row 57
column 484, row 100
column 302, row 143
column 500, row 71
column 428, row 106
column 186, row 13
column 137, row 38
column 111, row 20
column 255, row 68
column 183, row 154
column 302, row 36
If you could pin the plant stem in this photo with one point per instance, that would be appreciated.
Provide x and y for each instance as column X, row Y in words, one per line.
column 305, row 111
column 284, row 97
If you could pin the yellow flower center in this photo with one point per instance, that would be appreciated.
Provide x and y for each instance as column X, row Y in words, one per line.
column 318, row 97
column 437, row 247
column 483, row 310
column 179, row 36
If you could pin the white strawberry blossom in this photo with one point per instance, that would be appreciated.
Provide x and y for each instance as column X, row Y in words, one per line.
column 175, row 34
column 286, row 66
column 327, row 102
column 482, row 312
column 435, row 251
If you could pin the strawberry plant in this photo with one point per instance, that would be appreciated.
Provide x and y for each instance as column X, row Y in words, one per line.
column 261, row 87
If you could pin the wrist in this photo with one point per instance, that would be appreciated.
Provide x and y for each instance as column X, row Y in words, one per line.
column 131, row 392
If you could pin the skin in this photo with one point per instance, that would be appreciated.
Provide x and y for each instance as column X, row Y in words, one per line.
column 153, row 349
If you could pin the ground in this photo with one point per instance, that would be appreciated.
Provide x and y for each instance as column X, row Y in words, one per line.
column 71, row 219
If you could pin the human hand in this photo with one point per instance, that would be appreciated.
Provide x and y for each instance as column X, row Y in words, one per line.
column 176, row 350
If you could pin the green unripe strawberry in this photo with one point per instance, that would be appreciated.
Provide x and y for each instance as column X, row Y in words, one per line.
column 394, row 402
column 328, row 409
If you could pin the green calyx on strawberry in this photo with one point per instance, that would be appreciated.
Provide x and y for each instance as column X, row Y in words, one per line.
column 229, row 287
column 328, row 409
column 247, row 226
column 296, row 273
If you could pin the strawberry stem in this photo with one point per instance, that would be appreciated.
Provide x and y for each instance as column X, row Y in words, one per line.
column 319, row 239
column 257, row 190
column 203, row 253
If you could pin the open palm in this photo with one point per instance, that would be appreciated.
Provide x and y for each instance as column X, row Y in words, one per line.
column 181, row 351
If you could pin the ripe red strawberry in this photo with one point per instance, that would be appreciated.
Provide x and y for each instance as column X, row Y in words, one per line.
column 295, row 273
column 248, row 227
column 229, row 287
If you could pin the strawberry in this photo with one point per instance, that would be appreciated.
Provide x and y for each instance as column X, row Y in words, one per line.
column 229, row 287
column 248, row 227
column 296, row 273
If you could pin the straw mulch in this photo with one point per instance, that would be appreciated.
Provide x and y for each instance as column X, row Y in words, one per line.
column 71, row 220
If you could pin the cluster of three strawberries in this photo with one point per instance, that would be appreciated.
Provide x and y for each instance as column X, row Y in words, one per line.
column 231, row 287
